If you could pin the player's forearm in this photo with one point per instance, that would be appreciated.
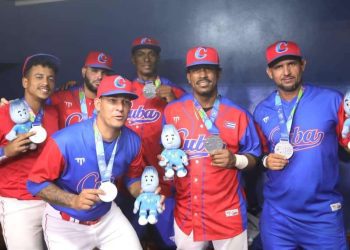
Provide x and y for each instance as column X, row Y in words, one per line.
column 244, row 161
column 252, row 160
column 2, row 154
column 55, row 195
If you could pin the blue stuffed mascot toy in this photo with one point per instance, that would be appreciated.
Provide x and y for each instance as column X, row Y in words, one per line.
column 19, row 113
column 172, row 156
column 346, row 126
column 148, row 202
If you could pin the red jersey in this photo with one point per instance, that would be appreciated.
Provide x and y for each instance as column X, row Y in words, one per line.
column 69, row 108
column 145, row 118
column 210, row 200
column 14, row 171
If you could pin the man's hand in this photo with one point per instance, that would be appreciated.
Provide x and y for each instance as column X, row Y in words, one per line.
column 86, row 199
column 166, row 93
column 4, row 101
column 222, row 158
column 19, row 145
column 68, row 85
column 276, row 161
column 83, row 201
column 161, row 205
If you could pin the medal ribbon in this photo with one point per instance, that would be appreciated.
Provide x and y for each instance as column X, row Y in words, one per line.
column 105, row 171
column 83, row 107
column 35, row 119
column 156, row 82
column 209, row 122
column 285, row 126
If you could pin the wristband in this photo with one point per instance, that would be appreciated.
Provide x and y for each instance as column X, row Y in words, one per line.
column 241, row 161
column 2, row 154
column 264, row 161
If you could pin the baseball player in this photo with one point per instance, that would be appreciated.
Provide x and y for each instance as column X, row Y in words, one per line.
column 77, row 103
column 20, row 212
column 76, row 174
column 219, row 138
column 145, row 118
column 301, row 126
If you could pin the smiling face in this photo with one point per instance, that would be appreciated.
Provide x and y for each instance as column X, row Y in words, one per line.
column 19, row 112
column 287, row 74
column 145, row 61
column 39, row 82
column 149, row 179
column 170, row 137
column 203, row 80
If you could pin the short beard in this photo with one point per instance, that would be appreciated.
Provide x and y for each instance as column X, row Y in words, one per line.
column 290, row 88
column 89, row 86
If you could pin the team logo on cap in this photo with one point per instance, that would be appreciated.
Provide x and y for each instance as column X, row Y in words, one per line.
column 145, row 40
column 102, row 58
column 119, row 82
column 200, row 53
column 281, row 47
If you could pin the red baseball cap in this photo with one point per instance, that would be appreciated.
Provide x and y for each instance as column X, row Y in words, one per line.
column 40, row 58
column 202, row 56
column 100, row 60
column 115, row 85
column 145, row 42
column 281, row 49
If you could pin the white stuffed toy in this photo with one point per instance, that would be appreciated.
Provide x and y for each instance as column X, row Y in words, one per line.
column 19, row 113
column 148, row 202
column 172, row 156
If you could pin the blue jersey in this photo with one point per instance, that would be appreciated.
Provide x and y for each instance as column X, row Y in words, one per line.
column 306, row 188
column 69, row 160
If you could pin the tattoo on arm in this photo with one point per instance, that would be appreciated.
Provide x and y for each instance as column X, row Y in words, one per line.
column 54, row 194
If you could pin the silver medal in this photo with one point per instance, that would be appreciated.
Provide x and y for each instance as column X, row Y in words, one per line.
column 213, row 142
column 284, row 148
column 40, row 134
column 149, row 90
column 110, row 191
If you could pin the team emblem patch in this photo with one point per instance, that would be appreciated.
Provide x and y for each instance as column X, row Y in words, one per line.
column 281, row 47
column 231, row 125
column 102, row 58
column 145, row 40
column 119, row 82
column 232, row 212
column 200, row 53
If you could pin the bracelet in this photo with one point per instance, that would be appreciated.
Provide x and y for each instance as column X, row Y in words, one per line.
column 264, row 161
column 2, row 154
column 241, row 161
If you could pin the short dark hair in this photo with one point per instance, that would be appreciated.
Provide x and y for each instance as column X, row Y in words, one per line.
column 44, row 60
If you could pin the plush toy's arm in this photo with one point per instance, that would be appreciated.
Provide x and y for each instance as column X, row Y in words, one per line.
column 346, row 128
column 164, row 160
column 11, row 135
column 137, row 204
column 184, row 158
